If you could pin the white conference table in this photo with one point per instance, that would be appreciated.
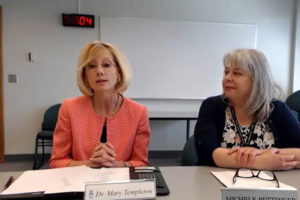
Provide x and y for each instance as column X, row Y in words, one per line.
column 192, row 182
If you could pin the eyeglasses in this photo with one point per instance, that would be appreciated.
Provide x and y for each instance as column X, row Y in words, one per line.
column 248, row 173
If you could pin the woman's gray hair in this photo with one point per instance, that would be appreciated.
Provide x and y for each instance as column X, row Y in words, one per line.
column 264, row 89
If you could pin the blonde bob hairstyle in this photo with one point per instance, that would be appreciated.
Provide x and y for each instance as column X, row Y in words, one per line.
column 90, row 52
column 264, row 89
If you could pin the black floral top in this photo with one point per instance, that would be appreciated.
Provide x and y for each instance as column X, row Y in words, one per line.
column 262, row 137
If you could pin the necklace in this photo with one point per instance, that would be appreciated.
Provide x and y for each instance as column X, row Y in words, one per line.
column 245, row 142
column 115, row 109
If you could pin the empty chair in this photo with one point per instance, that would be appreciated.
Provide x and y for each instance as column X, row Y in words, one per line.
column 189, row 154
column 45, row 136
column 293, row 101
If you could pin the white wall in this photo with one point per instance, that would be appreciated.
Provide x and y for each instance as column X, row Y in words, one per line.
column 35, row 25
column 296, row 79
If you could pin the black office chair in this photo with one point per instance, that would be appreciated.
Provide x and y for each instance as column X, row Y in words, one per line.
column 293, row 101
column 45, row 136
column 189, row 154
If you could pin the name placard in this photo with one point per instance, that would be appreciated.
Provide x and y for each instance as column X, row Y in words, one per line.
column 258, row 194
column 133, row 189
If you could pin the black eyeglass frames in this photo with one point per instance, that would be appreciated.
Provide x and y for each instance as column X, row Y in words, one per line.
column 261, row 174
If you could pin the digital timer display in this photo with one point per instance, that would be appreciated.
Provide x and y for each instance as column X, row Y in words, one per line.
column 79, row 20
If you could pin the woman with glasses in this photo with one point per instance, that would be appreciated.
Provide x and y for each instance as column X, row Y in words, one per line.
column 101, row 113
column 247, row 126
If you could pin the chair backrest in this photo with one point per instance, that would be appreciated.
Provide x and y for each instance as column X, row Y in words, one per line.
column 50, row 117
column 293, row 101
column 189, row 155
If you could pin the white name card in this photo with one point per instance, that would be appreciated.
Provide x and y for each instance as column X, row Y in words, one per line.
column 258, row 194
column 133, row 189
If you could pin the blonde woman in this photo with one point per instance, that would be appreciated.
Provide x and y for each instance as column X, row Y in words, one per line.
column 247, row 127
column 102, row 112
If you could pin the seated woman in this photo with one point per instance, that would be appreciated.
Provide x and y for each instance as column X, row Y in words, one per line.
column 102, row 76
column 246, row 127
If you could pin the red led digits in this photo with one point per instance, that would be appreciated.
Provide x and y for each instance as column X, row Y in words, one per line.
column 89, row 20
column 79, row 20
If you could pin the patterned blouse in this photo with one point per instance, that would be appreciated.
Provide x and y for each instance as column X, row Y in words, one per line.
column 262, row 137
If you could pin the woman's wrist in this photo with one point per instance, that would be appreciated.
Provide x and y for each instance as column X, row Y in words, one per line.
column 121, row 164
column 126, row 164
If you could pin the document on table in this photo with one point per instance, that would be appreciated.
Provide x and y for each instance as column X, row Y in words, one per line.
column 61, row 180
column 226, row 178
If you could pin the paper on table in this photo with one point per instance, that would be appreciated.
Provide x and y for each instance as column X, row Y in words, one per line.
column 226, row 177
column 68, row 179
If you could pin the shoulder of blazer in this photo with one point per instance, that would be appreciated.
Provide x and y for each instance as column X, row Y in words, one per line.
column 216, row 101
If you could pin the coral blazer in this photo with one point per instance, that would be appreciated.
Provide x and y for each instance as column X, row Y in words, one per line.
column 79, row 128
